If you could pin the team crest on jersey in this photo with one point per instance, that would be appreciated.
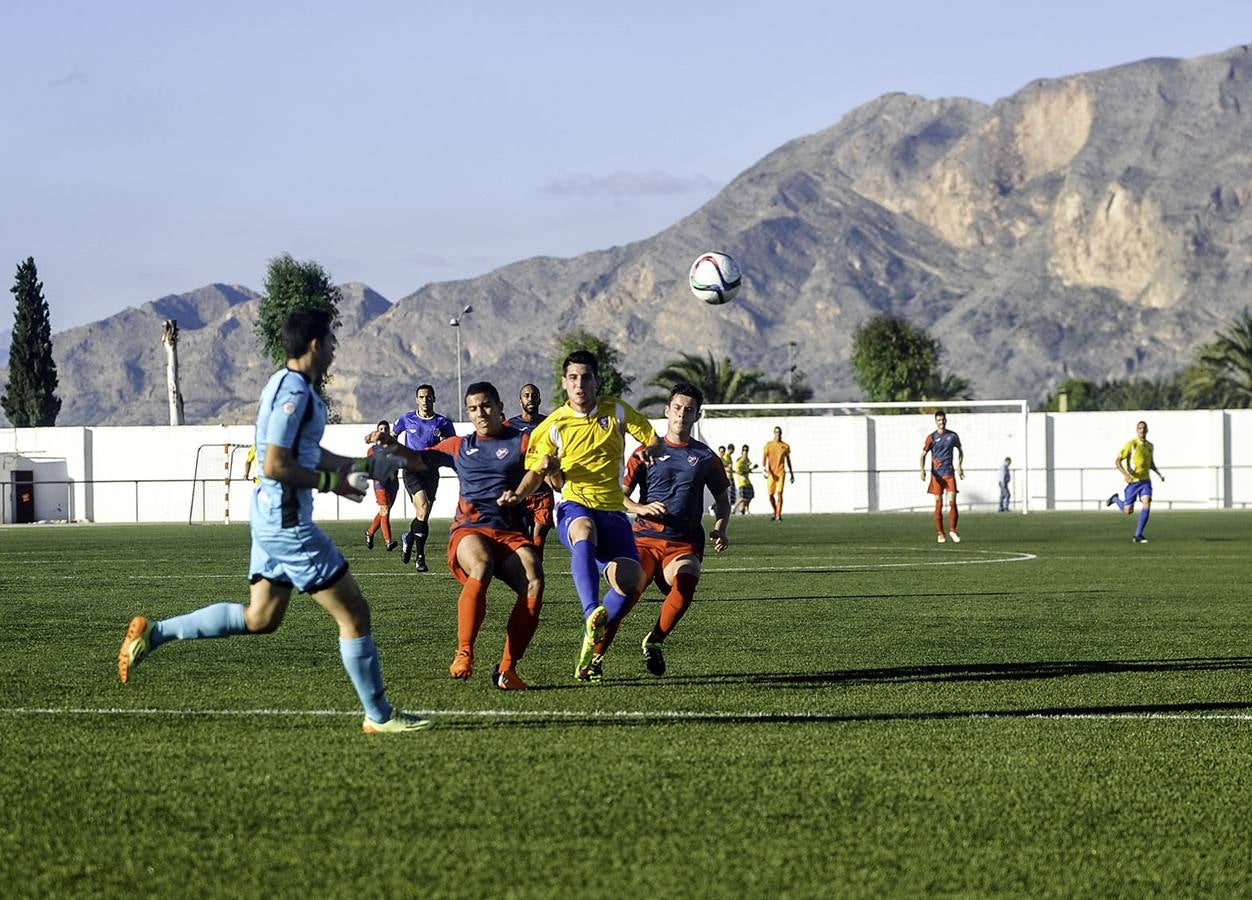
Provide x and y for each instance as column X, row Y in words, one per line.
column 603, row 422
column 502, row 453
column 289, row 407
column 693, row 460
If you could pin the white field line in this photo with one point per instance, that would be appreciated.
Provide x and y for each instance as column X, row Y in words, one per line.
column 987, row 557
column 610, row 716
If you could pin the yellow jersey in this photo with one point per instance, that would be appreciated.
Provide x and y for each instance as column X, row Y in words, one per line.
column 591, row 449
column 1138, row 456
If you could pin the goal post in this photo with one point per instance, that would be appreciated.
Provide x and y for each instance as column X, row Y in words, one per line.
column 864, row 456
column 218, row 483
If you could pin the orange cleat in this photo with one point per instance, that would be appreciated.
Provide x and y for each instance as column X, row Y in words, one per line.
column 463, row 665
column 508, row 680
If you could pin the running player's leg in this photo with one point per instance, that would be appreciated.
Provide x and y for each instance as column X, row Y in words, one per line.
column 271, row 589
column 471, row 563
column 523, row 572
column 577, row 531
column 342, row 598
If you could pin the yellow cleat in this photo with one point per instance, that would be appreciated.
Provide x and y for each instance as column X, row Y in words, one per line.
column 135, row 647
column 593, row 634
column 399, row 723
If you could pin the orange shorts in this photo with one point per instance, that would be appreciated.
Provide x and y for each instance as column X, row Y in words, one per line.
column 774, row 484
column 655, row 555
column 503, row 544
column 941, row 483
column 539, row 507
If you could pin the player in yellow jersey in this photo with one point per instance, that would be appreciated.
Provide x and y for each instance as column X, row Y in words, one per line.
column 582, row 444
column 777, row 463
column 1136, row 464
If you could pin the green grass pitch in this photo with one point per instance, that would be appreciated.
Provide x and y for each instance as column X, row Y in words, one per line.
column 851, row 711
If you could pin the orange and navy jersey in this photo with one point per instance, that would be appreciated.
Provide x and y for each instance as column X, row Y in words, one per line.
column 941, row 447
column 486, row 468
column 677, row 477
column 775, row 460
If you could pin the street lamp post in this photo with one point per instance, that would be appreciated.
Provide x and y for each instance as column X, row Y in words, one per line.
column 455, row 322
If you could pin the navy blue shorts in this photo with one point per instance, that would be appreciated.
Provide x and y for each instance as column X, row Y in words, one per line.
column 615, row 539
column 1137, row 489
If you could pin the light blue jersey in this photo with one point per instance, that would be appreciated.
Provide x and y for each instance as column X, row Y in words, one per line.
column 287, row 548
column 290, row 414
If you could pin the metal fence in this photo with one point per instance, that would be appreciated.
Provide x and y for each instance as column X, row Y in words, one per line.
column 826, row 490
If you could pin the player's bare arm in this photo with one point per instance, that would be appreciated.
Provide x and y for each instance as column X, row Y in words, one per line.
column 923, row 465
column 530, row 481
column 960, row 463
column 721, row 513
column 656, row 508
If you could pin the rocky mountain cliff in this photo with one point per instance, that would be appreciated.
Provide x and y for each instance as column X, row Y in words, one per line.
column 1090, row 226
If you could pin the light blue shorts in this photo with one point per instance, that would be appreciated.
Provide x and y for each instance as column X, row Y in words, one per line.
column 302, row 556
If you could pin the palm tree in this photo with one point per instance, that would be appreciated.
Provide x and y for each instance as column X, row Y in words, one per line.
column 718, row 380
column 1222, row 374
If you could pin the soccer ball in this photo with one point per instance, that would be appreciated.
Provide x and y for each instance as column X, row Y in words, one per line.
column 715, row 277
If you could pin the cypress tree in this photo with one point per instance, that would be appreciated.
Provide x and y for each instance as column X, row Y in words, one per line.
column 30, row 398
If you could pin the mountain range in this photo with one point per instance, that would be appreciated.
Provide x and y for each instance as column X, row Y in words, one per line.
column 1090, row 226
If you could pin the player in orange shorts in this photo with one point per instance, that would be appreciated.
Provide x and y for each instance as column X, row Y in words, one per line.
column 942, row 444
column 777, row 464
column 668, row 528
column 488, row 540
column 384, row 491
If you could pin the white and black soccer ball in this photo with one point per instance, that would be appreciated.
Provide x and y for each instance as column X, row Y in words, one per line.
column 715, row 277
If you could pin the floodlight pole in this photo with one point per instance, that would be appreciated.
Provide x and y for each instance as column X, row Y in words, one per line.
column 455, row 322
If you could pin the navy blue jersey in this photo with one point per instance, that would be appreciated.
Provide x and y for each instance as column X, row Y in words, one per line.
column 486, row 468
column 677, row 477
column 291, row 415
column 417, row 433
column 941, row 447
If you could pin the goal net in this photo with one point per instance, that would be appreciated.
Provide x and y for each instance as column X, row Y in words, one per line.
column 218, row 484
column 864, row 457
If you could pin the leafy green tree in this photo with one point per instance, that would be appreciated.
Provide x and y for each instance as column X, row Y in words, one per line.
column 1221, row 376
column 893, row 361
column 290, row 284
column 612, row 382
column 1119, row 394
column 30, row 398
column 717, row 379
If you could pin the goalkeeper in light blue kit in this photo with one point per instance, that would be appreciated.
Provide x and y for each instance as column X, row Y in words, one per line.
column 288, row 550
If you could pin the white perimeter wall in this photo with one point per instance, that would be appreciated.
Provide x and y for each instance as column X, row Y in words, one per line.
column 842, row 463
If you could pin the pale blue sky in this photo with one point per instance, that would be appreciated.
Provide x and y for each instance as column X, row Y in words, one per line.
column 152, row 148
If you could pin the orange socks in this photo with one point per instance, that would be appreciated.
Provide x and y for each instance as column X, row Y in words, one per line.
column 680, row 595
column 521, row 628
column 471, row 608
column 952, row 515
column 939, row 513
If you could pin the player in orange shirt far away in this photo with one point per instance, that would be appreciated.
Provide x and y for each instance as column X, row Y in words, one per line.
column 777, row 463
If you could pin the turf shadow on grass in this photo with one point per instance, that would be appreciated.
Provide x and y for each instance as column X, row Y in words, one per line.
column 970, row 672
